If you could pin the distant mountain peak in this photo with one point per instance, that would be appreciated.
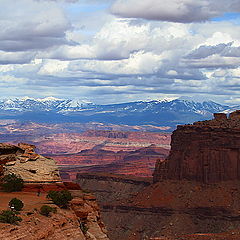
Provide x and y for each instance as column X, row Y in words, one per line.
column 26, row 98
column 49, row 99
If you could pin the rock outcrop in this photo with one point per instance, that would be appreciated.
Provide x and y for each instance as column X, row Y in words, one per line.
column 80, row 222
column 207, row 151
column 22, row 160
column 88, row 213
column 8, row 153
column 62, row 225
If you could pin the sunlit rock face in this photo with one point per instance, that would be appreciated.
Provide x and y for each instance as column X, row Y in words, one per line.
column 207, row 151
column 23, row 161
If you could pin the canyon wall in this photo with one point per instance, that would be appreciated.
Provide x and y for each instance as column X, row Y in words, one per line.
column 207, row 151
column 111, row 187
column 135, row 209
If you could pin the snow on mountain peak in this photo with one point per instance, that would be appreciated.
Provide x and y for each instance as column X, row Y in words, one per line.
column 26, row 98
column 49, row 99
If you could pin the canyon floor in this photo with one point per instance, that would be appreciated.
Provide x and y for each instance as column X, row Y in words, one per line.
column 30, row 199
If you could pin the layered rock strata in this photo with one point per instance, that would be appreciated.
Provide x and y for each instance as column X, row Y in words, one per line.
column 134, row 209
column 207, row 151
column 22, row 160
column 88, row 212
column 111, row 187
column 140, row 162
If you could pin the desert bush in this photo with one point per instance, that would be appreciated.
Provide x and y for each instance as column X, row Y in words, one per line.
column 46, row 210
column 83, row 227
column 60, row 198
column 12, row 183
column 8, row 216
column 16, row 203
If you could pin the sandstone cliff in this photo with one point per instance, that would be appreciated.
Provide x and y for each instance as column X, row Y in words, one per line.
column 205, row 151
column 23, row 161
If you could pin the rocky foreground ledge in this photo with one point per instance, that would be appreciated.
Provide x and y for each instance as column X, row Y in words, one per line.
column 32, row 167
column 41, row 173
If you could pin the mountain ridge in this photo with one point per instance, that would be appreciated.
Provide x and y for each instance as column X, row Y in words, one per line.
column 154, row 112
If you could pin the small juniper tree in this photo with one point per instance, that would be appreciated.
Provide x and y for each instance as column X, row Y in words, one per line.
column 12, row 183
column 60, row 198
column 16, row 204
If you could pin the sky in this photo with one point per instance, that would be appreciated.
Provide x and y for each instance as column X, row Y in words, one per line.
column 111, row 51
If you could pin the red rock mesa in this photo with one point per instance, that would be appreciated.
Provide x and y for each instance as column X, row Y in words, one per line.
column 207, row 151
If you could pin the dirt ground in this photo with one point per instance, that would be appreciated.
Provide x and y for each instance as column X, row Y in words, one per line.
column 30, row 200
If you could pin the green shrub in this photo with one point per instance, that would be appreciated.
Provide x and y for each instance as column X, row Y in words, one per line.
column 83, row 227
column 16, row 204
column 60, row 198
column 12, row 183
column 8, row 216
column 46, row 210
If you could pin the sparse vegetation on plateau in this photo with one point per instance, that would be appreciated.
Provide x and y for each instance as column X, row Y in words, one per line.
column 60, row 198
column 12, row 183
column 8, row 216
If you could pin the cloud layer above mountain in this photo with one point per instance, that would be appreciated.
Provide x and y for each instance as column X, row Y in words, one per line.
column 124, row 50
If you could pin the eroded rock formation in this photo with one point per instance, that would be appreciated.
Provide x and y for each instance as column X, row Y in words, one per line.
column 62, row 225
column 140, row 162
column 207, row 151
column 80, row 222
column 111, row 187
column 88, row 213
column 23, row 161
column 134, row 209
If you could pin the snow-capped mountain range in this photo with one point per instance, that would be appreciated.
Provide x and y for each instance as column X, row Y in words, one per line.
column 65, row 105
column 52, row 104
column 156, row 112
